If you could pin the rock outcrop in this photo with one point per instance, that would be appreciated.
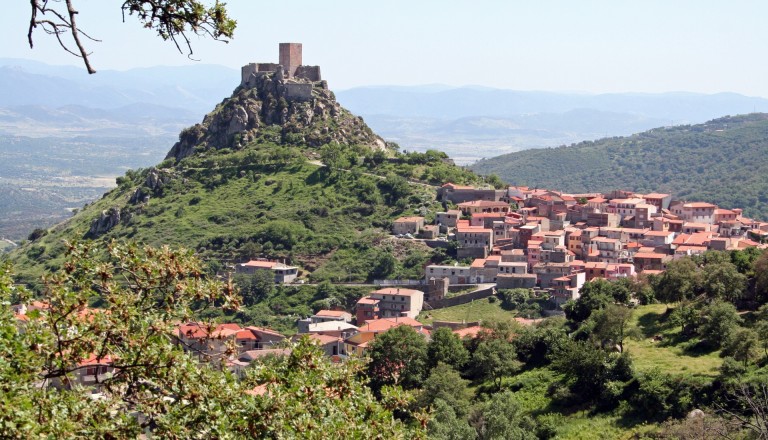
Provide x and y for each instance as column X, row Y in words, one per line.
column 107, row 220
column 287, row 111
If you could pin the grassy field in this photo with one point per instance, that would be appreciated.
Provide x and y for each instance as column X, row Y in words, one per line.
column 478, row 310
column 665, row 354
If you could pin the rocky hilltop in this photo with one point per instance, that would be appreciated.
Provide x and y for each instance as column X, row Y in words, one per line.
column 272, row 108
column 246, row 183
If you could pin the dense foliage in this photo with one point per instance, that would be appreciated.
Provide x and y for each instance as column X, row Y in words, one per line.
column 156, row 387
column 721, row 161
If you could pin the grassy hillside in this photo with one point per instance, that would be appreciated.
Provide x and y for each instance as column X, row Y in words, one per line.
column 722, row 161
column 266, row 200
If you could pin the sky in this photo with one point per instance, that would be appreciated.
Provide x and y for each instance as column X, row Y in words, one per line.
column 648, row 46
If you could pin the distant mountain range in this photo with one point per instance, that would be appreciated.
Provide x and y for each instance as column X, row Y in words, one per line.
column 470, row 123
column 194, row 88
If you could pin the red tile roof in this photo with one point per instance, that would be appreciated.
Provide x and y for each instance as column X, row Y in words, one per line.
column 260, row 264
column 469, row 331
column 384, row 324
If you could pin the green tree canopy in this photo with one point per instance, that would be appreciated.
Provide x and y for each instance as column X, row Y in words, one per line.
column 446, row 347
column 398, row 357
column 494, row 359
column 156, row 387
column 446, row 384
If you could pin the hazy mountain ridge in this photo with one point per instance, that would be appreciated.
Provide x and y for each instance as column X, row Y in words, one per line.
column 194, row 88
column 472, row 122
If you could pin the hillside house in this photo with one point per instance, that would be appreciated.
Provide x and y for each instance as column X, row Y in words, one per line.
column 397, row 302
column 474, row 237
column 408, row 225
column 451, row 192
column 282, row 272
column 516, row 281
column 547, row 272
column 567, row 288
column 215, row 340
column 697, row 212
column 650, row 261
column 478, row 206
column 447, row 220
column 455, row 274
column 338, row 316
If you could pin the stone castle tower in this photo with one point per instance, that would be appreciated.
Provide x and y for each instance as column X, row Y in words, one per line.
column 289, row 68
column 290, row 58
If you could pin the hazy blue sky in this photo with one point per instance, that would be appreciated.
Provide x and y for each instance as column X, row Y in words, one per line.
column 590, row 46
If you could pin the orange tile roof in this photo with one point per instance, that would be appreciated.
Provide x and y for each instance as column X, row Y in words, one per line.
column 469, row 331
column 478, row 263
column 93, row 359
column 246, row 335
column 260, row 263
column 658, row 234
column 332, row 313
column 398, row 291
column 265, row 331
column 655, row 196
column 409, row 219
column 323, row 339
column 384, row 324
column 482, row 203
column 699, row 205
column 473, row 229
column 650, row 255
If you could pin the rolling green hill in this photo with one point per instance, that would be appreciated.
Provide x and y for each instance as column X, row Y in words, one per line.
column 724, row 161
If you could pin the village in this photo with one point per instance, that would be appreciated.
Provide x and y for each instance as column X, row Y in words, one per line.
column 515, row 238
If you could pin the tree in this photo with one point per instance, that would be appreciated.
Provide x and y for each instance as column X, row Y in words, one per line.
column 717, row 321
column 610, row 324
column 446, row 347
column 494, row 359
column 723, row 281
column 446, row 425
column 398, row 357
column 747, row 406
column 304, row 395
column 512, row 299
column 257, row 287
column 501, row 418
column 680, row 281
column 145, row 292
column 761, row 327
column 760, row 268
column 535, row 343
column 394, row 188
column 590, row 371
column 173, row 20
column 742, row 344
column 156, row 387
column 446, row 384
column 595, row 295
